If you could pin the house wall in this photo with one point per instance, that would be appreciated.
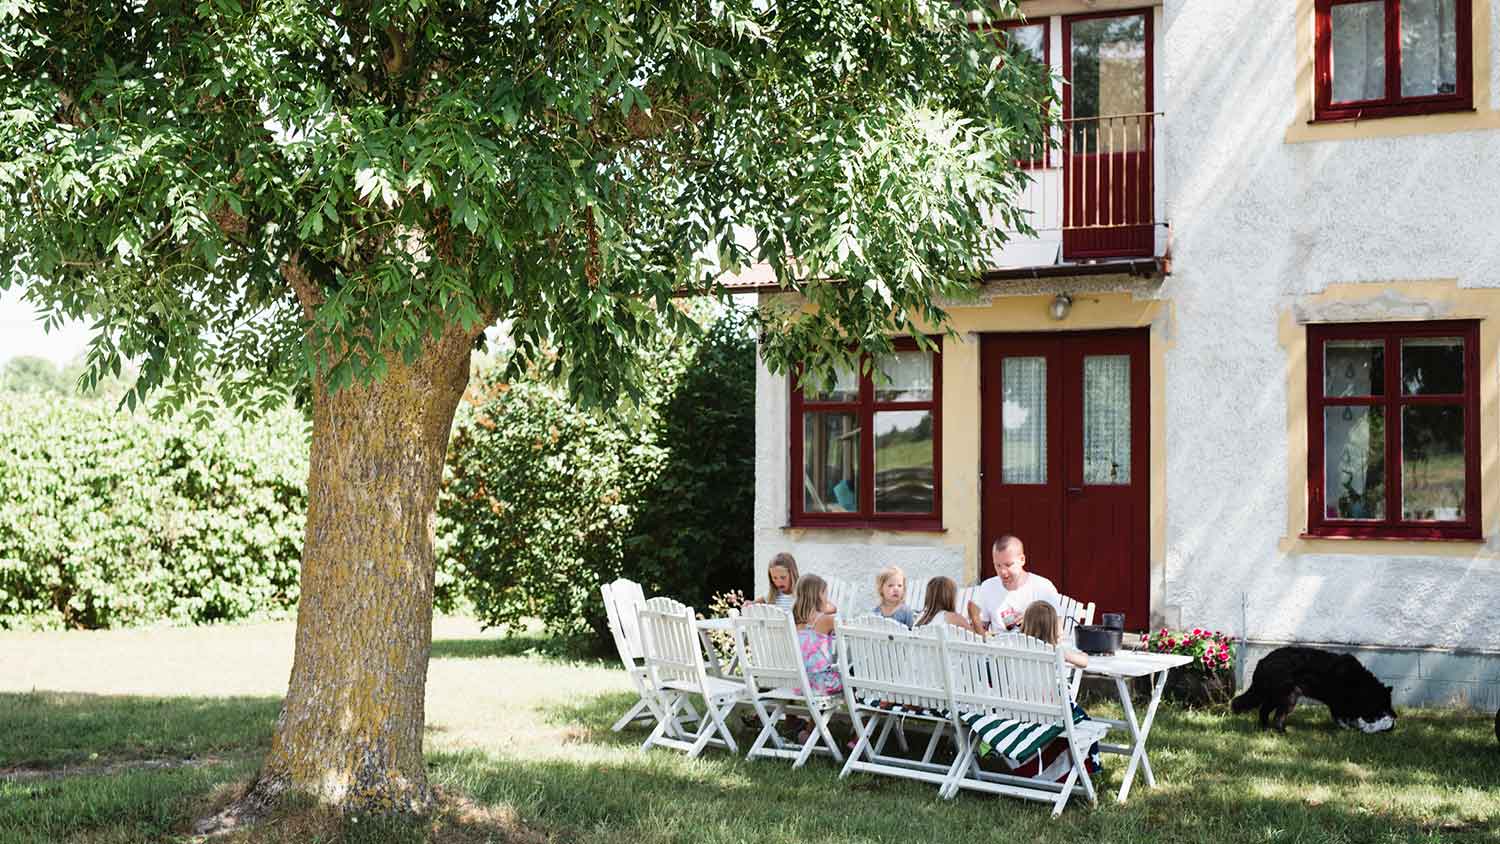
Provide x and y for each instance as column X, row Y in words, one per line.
column 1276, row 224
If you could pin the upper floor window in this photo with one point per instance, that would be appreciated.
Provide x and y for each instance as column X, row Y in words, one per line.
column 1381, row 58
column 1393, row 430
column 866, row 452
column 1029, row 40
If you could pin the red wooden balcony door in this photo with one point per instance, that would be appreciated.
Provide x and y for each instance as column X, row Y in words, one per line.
column 1064, row 426
column 1108, row 172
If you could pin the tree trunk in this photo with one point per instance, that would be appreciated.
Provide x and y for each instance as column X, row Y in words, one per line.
column 350, row 729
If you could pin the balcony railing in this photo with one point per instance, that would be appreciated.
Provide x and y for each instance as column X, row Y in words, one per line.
column 1097, row 186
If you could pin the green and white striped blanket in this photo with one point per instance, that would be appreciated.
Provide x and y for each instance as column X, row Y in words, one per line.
column 1013, row 739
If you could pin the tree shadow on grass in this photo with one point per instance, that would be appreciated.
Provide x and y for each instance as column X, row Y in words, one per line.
column 1219, row 779
column 49, row 729
column 659, row 796
column 1451, row 749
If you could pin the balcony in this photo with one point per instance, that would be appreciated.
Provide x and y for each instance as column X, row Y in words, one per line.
column 1094, row 201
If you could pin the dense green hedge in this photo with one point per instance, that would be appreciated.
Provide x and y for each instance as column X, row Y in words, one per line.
column 110, row 519
column 543, row 501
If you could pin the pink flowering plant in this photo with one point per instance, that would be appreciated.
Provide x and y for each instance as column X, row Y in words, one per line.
column 1209, row 648
column 1207, row 680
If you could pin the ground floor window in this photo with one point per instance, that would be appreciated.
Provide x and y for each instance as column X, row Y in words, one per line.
column 866, row 449
column 1393, row 430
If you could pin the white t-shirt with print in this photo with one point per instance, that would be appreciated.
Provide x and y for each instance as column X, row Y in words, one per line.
column 993, row 599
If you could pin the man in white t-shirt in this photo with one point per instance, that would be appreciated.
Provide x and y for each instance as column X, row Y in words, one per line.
column 998, row 603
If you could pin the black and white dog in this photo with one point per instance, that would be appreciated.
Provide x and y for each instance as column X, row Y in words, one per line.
column 1354, row 697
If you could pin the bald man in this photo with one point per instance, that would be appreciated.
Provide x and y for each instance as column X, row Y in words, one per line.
column 999, row 601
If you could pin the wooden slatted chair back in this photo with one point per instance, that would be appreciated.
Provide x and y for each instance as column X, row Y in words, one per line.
column 1073, row 612
column 844, row 596
column 916, row 594
column 880, row 658
column 1012, row 675
column 622, row 602
column 670, row 641
column 769, row 655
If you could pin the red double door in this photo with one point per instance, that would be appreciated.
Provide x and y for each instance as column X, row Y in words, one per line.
column 1065, row 424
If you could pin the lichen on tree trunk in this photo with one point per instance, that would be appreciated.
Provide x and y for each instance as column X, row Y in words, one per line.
column 350, row 729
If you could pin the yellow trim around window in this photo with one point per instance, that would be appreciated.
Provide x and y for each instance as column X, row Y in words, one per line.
column 1484, row 116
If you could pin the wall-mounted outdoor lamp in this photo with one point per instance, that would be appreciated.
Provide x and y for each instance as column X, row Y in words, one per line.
column 1061, row 303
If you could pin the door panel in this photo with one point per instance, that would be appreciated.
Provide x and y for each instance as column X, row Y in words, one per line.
column 1108, row 173
column 1086, row 523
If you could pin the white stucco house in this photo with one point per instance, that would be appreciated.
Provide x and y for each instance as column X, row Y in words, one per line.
column 1247, row 376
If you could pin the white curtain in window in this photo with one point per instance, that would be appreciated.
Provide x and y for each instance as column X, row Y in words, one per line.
column 1106, row 419
column 1429, row 47
column 1358, row 51
column 1023, row 420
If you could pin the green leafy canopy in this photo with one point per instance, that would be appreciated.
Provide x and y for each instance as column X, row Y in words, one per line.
column 252, row 193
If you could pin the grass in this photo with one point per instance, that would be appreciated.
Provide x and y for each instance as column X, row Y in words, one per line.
column 99, row 749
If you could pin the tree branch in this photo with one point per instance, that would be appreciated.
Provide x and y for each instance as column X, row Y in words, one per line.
column 309, row 295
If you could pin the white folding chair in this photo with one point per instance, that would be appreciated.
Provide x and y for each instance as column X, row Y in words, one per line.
column 894, row 675
column 916, row 595
column 1073, row 612
column 776, row 682
column 676, row 671
column 847, row 598
column 621, row 600
column 1018, row 679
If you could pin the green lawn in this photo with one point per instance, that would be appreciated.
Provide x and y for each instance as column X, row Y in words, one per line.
column 126, row 736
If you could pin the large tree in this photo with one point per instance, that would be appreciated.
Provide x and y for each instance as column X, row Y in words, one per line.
column 332, row 200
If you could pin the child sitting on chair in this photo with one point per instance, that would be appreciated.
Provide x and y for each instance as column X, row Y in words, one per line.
column 813, row 615
column 781, row 575
column 1040, row 621
column 890, row 588
column 939, row 607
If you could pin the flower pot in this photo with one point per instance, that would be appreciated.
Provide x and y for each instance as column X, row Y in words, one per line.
column 1193, row 687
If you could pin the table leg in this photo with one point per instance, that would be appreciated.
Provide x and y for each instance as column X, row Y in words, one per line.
column 714, row 665
column 1139, row 732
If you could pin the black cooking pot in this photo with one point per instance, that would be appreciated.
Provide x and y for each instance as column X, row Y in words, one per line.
column 1113, row 620
column 1096, row 639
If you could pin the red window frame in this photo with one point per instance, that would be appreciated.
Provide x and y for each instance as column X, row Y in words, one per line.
column 1392, row 526
column 864, row 409
column 1392, row 104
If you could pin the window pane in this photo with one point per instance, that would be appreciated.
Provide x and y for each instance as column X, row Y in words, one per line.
column 1030, row 39
column 1106, row 419
column 907, row 377
column 1023, row 421
column 1432, row 463
column 1354, row 367
column 1109, row 66
column 1432, row 365
column 1358, row 51
column 1354, row 463
column 844, row 388
column 1429, row 47
column 903, row 461
column 830, row 463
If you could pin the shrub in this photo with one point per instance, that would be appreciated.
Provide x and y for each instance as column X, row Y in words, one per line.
column 1208, row 678
column 544, row 501
column 110, row 519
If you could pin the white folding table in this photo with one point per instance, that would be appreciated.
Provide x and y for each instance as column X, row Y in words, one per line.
column 719, row 665
column 1123, row 666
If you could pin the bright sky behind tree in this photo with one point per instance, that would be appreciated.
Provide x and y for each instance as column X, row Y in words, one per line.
column 21, row 333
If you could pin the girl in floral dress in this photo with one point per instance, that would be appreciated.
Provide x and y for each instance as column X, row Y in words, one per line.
column 813, row 615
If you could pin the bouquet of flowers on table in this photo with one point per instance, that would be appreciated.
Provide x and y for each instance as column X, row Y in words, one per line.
column 724, row 605
column 1209, row 677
